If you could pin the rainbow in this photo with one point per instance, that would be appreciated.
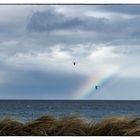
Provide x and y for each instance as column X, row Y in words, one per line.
column 101, row 79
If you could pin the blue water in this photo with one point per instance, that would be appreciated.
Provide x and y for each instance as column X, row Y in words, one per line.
column 26, row 110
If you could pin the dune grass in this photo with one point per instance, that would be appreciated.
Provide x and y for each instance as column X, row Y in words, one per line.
column 71, row 126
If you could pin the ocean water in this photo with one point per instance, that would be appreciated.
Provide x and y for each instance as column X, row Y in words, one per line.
column 26, row 110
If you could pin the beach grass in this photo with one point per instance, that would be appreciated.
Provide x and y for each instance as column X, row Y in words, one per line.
column 71, row 126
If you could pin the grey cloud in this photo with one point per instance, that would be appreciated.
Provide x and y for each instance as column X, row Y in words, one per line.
column 50, row 20
column 85, row 30
column 76, row 30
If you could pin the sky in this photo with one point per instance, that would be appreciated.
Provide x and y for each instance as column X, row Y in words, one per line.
column 39, row 43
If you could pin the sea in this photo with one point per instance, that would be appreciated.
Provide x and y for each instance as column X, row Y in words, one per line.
column 92, row 110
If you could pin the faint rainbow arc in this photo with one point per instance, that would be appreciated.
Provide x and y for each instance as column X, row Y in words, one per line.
column 88, row 87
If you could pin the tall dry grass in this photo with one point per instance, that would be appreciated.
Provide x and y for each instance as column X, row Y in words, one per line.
column 71, row 126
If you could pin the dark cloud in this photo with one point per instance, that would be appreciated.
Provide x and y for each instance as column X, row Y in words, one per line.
column 50, row 20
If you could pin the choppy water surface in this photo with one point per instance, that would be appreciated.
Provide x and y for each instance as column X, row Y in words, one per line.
column 25, row 110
